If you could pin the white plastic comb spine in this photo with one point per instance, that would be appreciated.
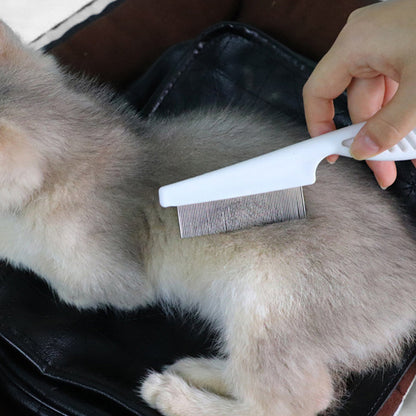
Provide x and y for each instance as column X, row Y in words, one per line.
column 285, row 168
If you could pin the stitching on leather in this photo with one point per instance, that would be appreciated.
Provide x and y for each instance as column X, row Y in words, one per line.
column 389, row 386
column 278, row 48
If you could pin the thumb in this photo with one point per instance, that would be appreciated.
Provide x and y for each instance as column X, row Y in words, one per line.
column 388, row 126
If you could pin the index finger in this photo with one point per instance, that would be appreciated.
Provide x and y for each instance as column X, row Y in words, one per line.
column 329, row 80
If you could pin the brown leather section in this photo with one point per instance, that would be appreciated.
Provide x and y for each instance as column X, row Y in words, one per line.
column 121, row 45
column 308, row 27
column 392, row 404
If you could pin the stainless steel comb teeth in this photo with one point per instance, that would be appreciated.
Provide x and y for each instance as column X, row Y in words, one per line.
column 242, row 212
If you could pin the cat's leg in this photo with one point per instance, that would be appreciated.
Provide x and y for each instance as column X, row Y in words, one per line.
column 174, row 395
column 275, row 366
column 191, row 388
column 267, row 375
column 276, row 360
column 288, row 387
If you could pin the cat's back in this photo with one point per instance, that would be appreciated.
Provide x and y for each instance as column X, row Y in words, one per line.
column 354, row 235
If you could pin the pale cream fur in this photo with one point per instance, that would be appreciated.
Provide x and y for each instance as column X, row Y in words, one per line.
column 297, row 305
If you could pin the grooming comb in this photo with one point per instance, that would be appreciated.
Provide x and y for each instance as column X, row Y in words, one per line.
column 264, row 189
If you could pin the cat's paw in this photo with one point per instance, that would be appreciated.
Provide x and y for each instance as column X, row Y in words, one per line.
column 171, row 395
column 151, row 387
column 167, row 393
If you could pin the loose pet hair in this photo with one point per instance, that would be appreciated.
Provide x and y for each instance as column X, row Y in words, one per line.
column 298, row 305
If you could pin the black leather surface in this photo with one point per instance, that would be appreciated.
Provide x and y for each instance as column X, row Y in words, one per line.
column 231, row 64
column 57, row 360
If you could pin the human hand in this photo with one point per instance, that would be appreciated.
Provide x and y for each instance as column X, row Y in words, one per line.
column 374, row 58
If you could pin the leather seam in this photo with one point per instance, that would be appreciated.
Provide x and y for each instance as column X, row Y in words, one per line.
column 381, row 397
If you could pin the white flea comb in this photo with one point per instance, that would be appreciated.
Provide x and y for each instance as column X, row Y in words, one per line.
column 244, row 194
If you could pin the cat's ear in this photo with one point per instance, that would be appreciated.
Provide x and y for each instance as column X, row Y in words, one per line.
column 14, row 52
column 11, row 47
column 20, row 167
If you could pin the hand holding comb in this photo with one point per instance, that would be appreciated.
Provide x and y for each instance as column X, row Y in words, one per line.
column 244, row 194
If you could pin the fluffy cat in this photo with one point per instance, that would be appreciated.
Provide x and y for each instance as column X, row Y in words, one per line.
column 298, row 304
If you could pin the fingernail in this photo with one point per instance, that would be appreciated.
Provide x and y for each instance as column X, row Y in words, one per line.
column 363, row 147
column 381, row 185
column 332, row 159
